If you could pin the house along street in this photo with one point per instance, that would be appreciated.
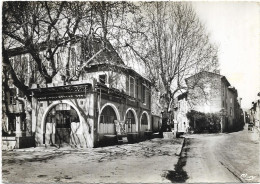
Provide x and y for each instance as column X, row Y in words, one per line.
column 231, row 157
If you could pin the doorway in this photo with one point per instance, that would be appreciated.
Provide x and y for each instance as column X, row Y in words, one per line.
column 62, row 115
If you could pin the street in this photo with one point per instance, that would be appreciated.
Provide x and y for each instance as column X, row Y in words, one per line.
column 232, row 157
column 225, row 157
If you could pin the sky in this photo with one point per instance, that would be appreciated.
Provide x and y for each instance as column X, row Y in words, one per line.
column 235, row 28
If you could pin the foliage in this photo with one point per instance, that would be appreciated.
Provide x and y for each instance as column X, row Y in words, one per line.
column 201, row 122
column 174, row 46
column 166, row 36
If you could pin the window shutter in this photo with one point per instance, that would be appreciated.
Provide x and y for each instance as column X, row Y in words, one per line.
column 136, row 88
column 140, row 89
column 127, row 85
column 143, row 93
column 8, row 97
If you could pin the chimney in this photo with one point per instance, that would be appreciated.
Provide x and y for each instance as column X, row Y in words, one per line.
column 217, row 71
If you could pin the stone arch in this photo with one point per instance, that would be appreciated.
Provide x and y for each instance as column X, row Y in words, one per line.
column 53, row 105
column 135, row 115
column 113, row 107
column 148, row 118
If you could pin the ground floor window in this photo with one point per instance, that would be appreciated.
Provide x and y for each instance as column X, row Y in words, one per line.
column 12, row 123
column 144, row 119
column 107, row 117
column 130, row 122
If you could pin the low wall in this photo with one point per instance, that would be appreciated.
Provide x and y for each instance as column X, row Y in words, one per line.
column 8, row 143
column 25, row 142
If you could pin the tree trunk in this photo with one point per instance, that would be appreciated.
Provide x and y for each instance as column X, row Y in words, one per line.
column 28, row 120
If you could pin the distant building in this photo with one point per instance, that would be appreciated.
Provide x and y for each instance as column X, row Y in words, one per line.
column 255, row 113
column 211, row 93
column 181, row 122
column 84, row 110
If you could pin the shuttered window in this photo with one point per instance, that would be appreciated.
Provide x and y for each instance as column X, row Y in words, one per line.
column 136, row 88
column 132, row 86
column 102, row 79
column 12, row 100
column 73, row 61
column 143, row 93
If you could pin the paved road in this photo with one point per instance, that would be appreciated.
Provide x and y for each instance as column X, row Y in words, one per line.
column 232, row 157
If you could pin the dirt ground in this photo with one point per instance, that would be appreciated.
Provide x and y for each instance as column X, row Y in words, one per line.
column 146, row 162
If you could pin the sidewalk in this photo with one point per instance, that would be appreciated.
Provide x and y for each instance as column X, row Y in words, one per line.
column 146, row 161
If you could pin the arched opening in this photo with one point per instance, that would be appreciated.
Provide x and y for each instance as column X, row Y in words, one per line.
column 106, row 121
column 130, row 124
column 144, row 122
column 59, row 122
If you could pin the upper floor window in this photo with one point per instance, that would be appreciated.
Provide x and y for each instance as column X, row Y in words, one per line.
column 231, row 111
column 102, row 79
column 73, row 61
column 143, row 93
column 12, row 99
column 57, row 60
column 131, row 86
column 231, row 100
column 12, row 61
column 136, row 88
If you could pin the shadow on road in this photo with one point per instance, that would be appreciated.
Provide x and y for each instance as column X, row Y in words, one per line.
column 178, row 175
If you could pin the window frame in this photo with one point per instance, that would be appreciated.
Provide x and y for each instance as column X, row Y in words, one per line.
column 74, row 63
column 108, row 114
column 143, row 93
column 12, row 94
column 142, row 118
column 105, row 81
column 130, row 86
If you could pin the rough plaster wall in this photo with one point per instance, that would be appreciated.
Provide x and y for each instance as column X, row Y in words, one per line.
column 206, row 96
column 230, row 95
column 38, row 124
column 81, row 135
column 122, row 108
column 88, row 122
column 118, row 82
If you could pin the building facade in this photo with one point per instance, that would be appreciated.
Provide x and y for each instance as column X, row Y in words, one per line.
column 212, row 93
column 254, row 113
column 181, row 122
column 84, row 111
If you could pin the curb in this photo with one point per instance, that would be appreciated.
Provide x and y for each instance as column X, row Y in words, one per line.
column 179, row 150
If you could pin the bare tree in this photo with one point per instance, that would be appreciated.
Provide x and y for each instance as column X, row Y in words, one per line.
column 42, row 28
column 56, row 24
column 175, row 46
